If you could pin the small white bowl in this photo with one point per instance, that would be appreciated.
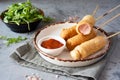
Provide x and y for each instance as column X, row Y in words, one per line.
column 53, row 52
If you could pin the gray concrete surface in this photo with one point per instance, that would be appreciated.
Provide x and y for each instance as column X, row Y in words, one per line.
column 60, row 9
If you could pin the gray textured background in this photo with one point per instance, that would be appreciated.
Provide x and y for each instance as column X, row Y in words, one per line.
column 61, row 10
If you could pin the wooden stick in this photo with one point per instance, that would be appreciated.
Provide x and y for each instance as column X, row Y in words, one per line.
column 94, row 12
column 106, row 13
column 102, row 25
column 113, row 35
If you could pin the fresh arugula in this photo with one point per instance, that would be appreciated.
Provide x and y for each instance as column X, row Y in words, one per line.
column 12, row 40
column 25, row 12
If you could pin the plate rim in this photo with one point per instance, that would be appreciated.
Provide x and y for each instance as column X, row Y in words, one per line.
column 53, row 57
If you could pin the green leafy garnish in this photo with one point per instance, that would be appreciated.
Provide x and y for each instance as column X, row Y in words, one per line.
column 12, row 40
column 25, row 12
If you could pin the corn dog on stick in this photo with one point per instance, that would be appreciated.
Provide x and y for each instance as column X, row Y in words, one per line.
column 88, row 48
column 78, row 39
column 72, row 31
column 68, row 32
column 89, row 19
column 85, row 26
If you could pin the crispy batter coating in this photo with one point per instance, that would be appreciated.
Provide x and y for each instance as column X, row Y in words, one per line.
column 78, row 39
column 88, row 48
column 85, row 25
column 89, row 19
column 68, row 32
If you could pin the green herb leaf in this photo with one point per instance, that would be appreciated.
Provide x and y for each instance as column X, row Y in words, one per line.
column 12, row 40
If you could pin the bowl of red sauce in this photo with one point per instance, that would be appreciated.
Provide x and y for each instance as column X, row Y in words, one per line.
column 52, row 45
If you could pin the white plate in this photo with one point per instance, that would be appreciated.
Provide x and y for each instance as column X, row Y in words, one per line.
column 64, row 59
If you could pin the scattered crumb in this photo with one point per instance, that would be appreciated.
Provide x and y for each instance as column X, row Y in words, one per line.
column 73, row 19
column 32, row 77
column 57, row 76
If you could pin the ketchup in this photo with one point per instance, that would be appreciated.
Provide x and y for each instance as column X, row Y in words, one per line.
column 51, row 44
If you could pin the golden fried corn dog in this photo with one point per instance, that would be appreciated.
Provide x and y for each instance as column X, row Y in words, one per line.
column 72, row 31
column 90, row 19
column 85, row 26
column 68, row 32
column 88, row 48
column 78, row 39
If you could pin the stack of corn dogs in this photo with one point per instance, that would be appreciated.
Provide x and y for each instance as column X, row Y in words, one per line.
column 82, row 39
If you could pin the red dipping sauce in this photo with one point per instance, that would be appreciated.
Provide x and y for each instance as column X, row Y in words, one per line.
column 51, row 44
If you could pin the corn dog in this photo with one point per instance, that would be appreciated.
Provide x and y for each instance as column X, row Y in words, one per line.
column 68, row 32
column 78, row 39
column 84, row 28
column 88, row 21
column 85, row 25
column 88, row 48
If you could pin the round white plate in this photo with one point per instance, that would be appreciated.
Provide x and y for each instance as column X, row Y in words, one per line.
column 64, row 59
